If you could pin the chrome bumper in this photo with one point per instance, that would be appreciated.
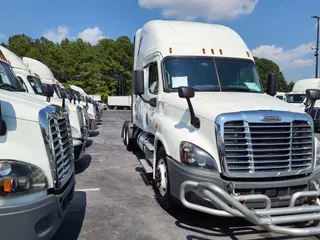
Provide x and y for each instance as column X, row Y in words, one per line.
column 268, row 218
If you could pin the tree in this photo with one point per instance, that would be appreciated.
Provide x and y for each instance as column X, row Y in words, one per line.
column 265, row 67
column 19, row 44
column 290, row 87
column 105, row 68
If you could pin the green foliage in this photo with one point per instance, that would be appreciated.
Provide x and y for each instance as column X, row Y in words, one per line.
column 98, row 69
column 265, row 67
column 103, row 68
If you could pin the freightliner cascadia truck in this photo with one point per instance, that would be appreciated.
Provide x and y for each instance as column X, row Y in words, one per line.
column 37, row 175
column 213, row 139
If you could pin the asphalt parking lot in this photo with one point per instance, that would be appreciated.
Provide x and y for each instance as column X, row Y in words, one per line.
column 113, row 201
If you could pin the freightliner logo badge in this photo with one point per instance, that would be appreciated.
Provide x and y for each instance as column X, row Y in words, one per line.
column 271, row 119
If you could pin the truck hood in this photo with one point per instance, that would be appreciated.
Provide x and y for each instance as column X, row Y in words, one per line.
column 53, row 100
column 210, row 104
column 16, row 105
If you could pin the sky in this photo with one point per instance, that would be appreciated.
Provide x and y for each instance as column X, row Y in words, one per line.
column 280, row 30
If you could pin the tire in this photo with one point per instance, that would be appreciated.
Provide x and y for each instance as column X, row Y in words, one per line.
column 129, row 143
column 161, row 186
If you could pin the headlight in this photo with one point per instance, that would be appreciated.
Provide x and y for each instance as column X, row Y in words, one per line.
column 17, row 177
column 91, row 117
column 194, row 156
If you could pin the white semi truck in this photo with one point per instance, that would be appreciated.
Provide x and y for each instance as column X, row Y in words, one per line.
column 85, row 98
column 47, row 76
column 212, row 136
column 33, row 88
column 37, row 162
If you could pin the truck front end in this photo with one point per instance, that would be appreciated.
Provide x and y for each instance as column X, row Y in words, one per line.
column 244, row 154
column 36, row 174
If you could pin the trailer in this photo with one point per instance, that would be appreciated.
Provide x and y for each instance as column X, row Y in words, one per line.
column 119, row 102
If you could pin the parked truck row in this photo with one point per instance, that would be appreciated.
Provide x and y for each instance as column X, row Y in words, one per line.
column 43, row 132
column 214, row 141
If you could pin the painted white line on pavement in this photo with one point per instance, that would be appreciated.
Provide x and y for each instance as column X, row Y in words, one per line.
column 87, row 189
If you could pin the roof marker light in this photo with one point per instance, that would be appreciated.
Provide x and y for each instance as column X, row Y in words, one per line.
column 204, row 51
column 170, row 50
column 212, row 51
column 248, row 54
column 221, row 51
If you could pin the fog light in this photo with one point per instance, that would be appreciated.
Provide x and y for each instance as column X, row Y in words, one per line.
column 5, row 169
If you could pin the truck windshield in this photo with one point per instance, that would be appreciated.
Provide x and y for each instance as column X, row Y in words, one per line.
column 212, row 74
column 8, row 79
column 68, row 93
column 79, row 98
column 295, row 98
column 35, row 84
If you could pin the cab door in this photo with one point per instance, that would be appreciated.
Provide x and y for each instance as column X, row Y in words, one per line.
column 153, row 83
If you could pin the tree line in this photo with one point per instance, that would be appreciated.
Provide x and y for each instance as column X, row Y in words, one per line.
column 105, row 68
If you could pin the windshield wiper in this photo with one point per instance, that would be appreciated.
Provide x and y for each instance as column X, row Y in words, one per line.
column 239, row 89
column 7, row 86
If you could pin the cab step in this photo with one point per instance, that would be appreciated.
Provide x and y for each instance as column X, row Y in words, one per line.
column 146, row 166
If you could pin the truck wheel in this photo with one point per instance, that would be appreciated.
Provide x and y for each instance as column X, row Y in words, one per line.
column 128, row 142
column 161, row 183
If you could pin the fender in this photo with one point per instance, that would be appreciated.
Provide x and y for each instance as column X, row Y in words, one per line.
column 161, row 138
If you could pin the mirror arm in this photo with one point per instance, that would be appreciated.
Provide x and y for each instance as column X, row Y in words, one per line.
column 64, row 103
column 195, row 121
column 48, row 99
column 143, row 99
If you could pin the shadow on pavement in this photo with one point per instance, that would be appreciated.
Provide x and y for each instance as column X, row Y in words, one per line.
column 94, row 134
column 89, row 143
column 217, row 227
column 83, row 164
column 72, row 224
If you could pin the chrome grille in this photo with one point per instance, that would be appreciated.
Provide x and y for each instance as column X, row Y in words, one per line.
column 253, row 148
column 62, row 147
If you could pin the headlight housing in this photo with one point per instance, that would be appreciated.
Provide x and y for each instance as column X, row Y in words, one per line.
column 193, row 155
column 91, row 117
column 20, row 178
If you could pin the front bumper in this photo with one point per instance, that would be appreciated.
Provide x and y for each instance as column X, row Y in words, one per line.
column 36, row 220
column 93, row 124
column 263, row 203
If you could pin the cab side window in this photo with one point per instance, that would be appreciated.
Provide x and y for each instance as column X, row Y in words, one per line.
column 153, row 78
column 22, row 84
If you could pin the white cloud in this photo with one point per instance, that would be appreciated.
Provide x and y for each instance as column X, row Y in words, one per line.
column 297, row 57
column 210, row 10
column 57, row 35
column 3, row 37
column 91, row 35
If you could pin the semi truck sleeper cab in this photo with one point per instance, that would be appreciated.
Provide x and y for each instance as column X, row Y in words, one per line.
column 212, row 138
column 36, row 163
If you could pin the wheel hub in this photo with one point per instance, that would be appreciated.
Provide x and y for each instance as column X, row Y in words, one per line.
column 161, row 179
